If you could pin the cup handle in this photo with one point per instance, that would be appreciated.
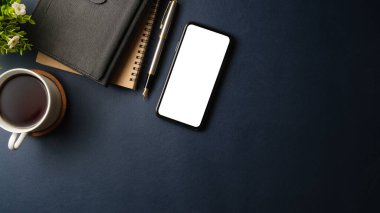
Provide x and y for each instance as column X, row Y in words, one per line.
column 15, row 140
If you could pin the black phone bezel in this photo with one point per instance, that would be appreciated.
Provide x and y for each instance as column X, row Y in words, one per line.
column 178, row 47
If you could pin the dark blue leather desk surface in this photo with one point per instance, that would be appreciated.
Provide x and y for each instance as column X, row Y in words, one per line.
column 294, row 128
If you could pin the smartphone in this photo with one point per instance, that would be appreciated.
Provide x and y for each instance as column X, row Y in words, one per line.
column 191, row 80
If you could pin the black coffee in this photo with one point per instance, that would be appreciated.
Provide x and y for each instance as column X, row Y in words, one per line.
column 23, row 100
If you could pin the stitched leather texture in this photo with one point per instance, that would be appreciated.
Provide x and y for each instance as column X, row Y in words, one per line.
column 84, row 35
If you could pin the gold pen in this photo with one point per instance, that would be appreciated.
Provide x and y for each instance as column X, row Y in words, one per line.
column 164, row 27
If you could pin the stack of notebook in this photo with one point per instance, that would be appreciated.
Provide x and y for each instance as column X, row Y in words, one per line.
column 103, row 40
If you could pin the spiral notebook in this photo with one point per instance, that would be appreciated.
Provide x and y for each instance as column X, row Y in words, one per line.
column 130, row 63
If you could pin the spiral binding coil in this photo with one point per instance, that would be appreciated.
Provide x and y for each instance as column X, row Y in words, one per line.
column 144, row 41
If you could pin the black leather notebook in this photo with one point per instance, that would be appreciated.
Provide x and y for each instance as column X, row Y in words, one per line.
column 86, row 35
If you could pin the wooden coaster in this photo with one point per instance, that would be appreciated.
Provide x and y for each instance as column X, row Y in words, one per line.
column 63, row 106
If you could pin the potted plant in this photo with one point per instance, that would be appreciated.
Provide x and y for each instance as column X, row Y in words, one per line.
column 12, row 38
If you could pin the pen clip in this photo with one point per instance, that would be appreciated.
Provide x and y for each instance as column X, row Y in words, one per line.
column 165, row 14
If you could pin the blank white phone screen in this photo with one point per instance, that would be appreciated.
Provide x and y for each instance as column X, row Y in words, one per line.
column 193, row 75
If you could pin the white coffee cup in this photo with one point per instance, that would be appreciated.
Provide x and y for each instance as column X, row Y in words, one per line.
column 50, row 116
